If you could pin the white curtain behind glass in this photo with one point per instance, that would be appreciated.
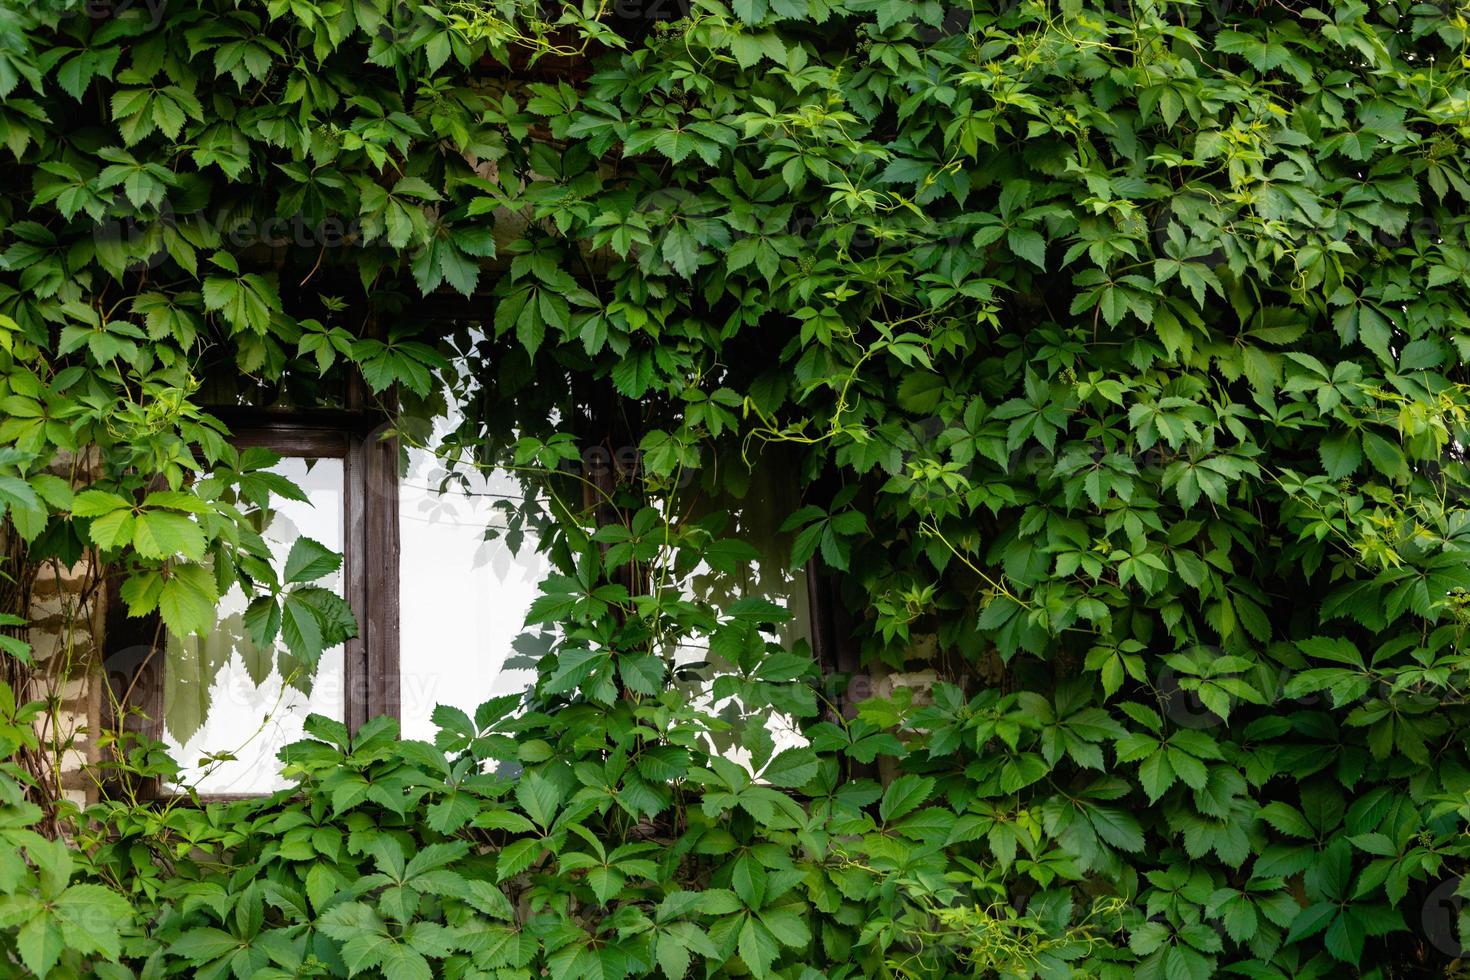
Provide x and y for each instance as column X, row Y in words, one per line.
column 463, row 599
column 212, row 701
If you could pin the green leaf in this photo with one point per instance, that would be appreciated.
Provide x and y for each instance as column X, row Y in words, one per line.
column 642, row 673
column 402, row 963
column 794, row 767
column 1311, row 920
column 200, row 944
column 1341, row 454
column 1029, row 245
column 41, row 942
column 904, row 795
column 95, row 503
column 188, row 599
column 752, row 12
column 262, row 620
column 17, row 493
column 1156, row 775
column 452, row 812
column 1287, row 819
column 310, row 560
column 163, row 534
column 516, row 857
column 1386, row 457
column 539, row 796
column 758, row 948
column 301, row 628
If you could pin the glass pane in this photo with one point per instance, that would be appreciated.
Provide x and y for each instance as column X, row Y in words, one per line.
column 224, row 694
column 701, row 668
column 755, row 520
column 463, row 599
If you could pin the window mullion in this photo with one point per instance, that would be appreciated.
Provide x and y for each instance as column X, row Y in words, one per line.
column 381, row 551
column 355, row 673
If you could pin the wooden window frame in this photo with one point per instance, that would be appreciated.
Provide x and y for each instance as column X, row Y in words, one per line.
column 372, row 675
column 370, row 665
column 370, row 528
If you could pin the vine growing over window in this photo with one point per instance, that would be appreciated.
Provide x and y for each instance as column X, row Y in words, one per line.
column 1119, row 347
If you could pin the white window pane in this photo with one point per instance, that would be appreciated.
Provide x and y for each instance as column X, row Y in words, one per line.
column 755, row 521
column 222, row 694
column 463, row 599
column 768, row 580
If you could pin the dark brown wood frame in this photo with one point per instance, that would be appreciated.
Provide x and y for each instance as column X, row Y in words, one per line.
column 370, row 543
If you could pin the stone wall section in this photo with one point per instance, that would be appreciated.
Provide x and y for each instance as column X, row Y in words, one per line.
column 67, row 613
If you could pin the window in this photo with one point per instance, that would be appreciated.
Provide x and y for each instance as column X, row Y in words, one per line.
column 211, row 697
column 756, row 519
column 439, row 568
column 223, row 694
column 468, row 574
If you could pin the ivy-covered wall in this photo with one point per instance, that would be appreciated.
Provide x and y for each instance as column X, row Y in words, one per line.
column 1118, row 349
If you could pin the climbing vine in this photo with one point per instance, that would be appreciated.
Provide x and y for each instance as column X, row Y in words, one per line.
column 1118, row 350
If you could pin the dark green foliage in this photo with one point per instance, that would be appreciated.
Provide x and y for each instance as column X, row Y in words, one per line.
column 417, row 860
column 1119, row 349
